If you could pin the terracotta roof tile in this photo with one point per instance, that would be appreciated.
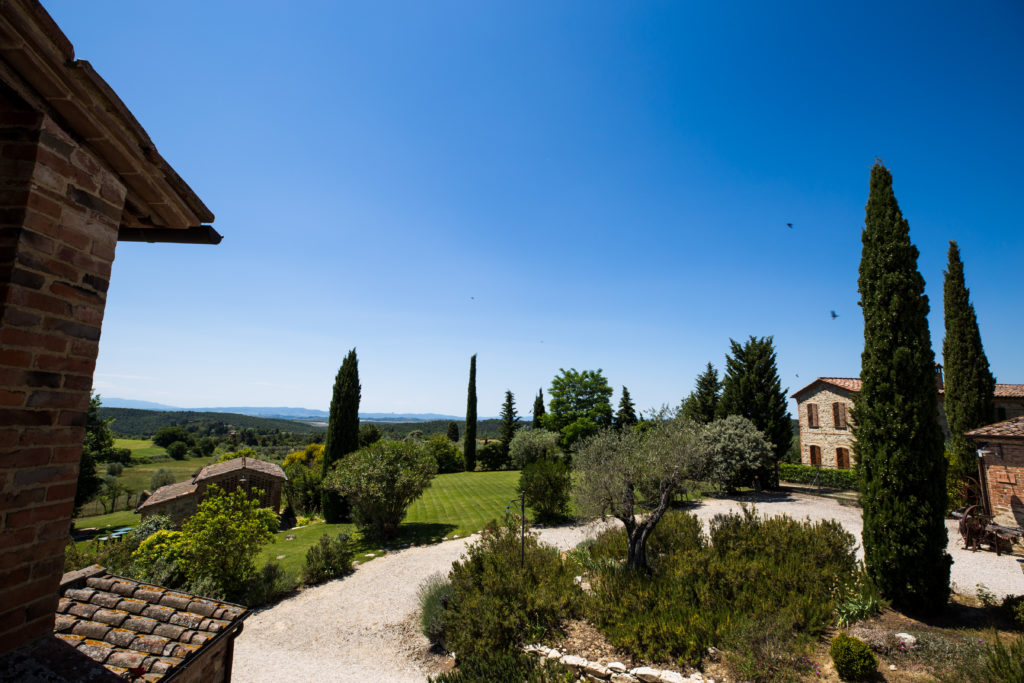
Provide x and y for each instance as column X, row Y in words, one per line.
column 1007, row 429
column 124, row 624
column 169, row 492
column 1009, row 391
column 262, row 466
column 854, row 384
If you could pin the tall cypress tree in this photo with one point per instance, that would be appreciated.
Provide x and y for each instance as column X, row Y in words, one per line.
column 969, row 385
column 702, row 404
column 342, row 431
column 538, row 409
column 752, row 389
column 453, row 432
column 509, row 423
column 899, row 443
column 626, row 417
column 469, row 449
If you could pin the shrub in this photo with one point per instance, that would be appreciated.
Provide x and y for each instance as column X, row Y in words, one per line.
column 853, row 658
column 434, row 595
column 826, row 476
column 1013, row 610
column 734, row 451
column 507, row 667
column 859, row 599
column 496, row 605
column 177, row 450
column 1002, row 663
column 162, row 477
column 530, row 445
column 311, row 456
column 492, row 456
column 446, row 453
column 328, row 559
column 381, row 481
column 304, row 488
column 114, row 469
column 158, row 559
column 269, row 584
column 546, row 484
column 165, row 436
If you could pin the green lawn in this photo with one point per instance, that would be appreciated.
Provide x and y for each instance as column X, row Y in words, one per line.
column 137, row 477
column 140, row 447
column 113, row 520
column 455, row 504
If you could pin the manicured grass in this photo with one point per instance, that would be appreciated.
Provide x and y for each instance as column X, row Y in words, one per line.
column 455, row 504
column 139, row 447
column 137, row 477
column 114, row 520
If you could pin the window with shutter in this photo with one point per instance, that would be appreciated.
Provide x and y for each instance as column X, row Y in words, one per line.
column 842, row 458
column 839, row 415
column 812, row 415
column 815, row 455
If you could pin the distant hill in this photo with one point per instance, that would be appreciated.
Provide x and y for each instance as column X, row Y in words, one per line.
column 282, row 413
column 132, row 403
column 133, row 422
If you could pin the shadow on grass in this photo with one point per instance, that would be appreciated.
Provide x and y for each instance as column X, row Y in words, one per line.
column 412, row 533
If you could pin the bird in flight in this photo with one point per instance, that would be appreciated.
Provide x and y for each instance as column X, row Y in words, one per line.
column 834, row 315
column 789, row 225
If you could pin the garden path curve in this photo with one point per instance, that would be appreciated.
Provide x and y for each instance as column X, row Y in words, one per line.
column 364, row 627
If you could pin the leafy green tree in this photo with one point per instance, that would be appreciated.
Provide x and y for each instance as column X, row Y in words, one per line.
column 546, row 484
column 445, row 453
column 701, row 406
column 538, row 410
column 220, row 542
column 469, row 448
column 752, row 389
column 509, row 423
column 530, row 445
column 168, row 435
column 162, row 477
column 453, row 432
column 342, row 431
column 578, row 397
column 626, row 417
column 969, row 384
column 177, row 450
column 368, row 434
column 381, row 481
column 97, row 438
column 734, row 451
column 899, row 443
column 304, row 487
column 634, row 476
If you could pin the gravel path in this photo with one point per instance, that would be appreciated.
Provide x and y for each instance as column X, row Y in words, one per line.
column 364, row 627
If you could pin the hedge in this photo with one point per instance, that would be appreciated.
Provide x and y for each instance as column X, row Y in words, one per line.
column 827, row 476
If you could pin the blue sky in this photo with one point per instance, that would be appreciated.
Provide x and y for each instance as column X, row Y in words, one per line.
column 547, row 184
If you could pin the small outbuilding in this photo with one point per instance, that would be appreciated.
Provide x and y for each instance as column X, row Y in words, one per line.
column 1001, row 468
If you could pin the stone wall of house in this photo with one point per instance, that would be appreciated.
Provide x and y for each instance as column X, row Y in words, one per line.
column 213, row 663
column 1010, row 407
column 1004, row 480
column 826, row 436
column 59, row 214
column 178, row 509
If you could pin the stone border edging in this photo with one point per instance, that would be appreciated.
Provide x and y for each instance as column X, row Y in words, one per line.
column 613, row 672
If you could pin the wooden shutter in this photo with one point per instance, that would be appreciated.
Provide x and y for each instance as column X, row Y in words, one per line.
column 842, row 458
column 815, row 455
column 839, row 415
column 812, row 415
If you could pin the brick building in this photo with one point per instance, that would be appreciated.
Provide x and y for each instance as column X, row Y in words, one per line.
column 77, row 175
column 824, row 412
column 179, row 500
column 1001, row 457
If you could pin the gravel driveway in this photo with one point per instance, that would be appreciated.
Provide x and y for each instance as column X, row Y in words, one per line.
column 364, row 627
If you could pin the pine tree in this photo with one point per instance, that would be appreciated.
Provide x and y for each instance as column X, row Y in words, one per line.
column 969, row 385
column 752, row 389
column 538, row 409
column 702, row 404
column 509, row 423
column 899, row 444
column 469, row 450
column 342, row 431
column 626, row 417
column 453, row 432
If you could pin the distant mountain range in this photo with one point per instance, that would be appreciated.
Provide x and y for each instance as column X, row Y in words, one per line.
column 278, row 412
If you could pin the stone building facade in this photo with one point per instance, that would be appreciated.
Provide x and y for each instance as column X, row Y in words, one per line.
column 826, row 427
column 179, row 501
column 77, row 174
column 1001, row 461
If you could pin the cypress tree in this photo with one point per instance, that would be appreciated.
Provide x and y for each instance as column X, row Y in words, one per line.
column 969, row 384
column 702, row 404
column 752, row 389
column 626, row 417
column 509, row 423
column 538, row 409
column 469, row 450
column 453, row 432
column 899, row 443
column 342, row 431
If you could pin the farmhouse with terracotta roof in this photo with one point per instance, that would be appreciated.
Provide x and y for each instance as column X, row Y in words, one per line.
column 179, row 501
column 1001, row 456
column 824, row 411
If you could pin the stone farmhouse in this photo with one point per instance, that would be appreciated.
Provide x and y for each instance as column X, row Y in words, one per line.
column 1001, row 456
column 179, row 501
column 78, row 174
column 824, row 411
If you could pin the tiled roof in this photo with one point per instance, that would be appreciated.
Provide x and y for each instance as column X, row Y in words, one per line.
column 848, row 383
column 261, row 466
column 1012, row 428
column 124, row 624
column 169, row 492
column 1009, row 391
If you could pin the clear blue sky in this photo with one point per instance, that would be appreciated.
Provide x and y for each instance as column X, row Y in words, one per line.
column 547, row 184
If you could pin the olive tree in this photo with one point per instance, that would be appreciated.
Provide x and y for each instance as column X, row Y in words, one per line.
column 633, row 477
column 734, row 451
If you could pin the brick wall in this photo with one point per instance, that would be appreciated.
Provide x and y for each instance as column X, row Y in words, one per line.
column 59, row 214
column 825, row 436
column 1004, row 480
